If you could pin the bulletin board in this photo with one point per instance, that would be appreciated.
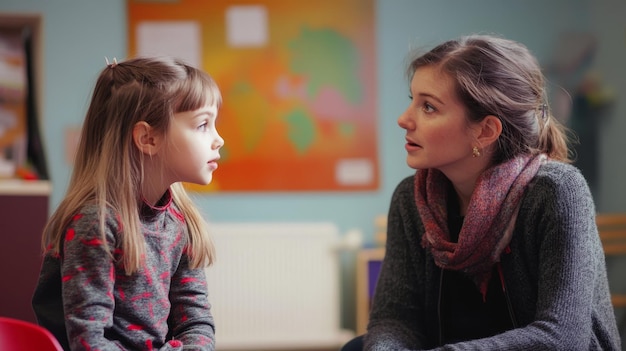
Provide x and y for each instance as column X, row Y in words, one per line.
column 298, row 80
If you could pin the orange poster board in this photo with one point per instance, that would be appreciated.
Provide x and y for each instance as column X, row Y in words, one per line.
column 298, row 80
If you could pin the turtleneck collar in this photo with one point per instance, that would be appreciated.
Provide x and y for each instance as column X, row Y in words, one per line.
column 148, row 211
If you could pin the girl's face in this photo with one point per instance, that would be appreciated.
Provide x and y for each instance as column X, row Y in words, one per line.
column 193, row 146
column 437, row 132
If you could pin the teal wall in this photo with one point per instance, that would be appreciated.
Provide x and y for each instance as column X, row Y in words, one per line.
column 78, row 34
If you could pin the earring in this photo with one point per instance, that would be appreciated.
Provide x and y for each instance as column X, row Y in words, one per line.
column 475, row 151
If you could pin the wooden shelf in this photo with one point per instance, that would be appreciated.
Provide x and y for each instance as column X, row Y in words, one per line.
column 25, row 187
column 31, row 26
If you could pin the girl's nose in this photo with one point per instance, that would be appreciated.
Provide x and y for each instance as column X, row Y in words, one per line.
column 218, row 142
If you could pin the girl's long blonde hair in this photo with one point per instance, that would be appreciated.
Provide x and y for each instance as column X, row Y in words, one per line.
column 107, row 170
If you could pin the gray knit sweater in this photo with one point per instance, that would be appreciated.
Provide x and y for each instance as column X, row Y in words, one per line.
column 87, row 301
column 555, row 275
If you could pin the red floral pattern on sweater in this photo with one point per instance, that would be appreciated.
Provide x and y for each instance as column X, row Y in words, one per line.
column 163, row 306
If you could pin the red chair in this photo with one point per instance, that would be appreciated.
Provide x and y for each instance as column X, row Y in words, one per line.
column 18, row 335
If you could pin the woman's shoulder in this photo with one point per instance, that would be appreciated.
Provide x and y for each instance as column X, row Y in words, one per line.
column 406, row 187
column 560, row 174
column 406, row 183
column 559, row 183
column 554, row 167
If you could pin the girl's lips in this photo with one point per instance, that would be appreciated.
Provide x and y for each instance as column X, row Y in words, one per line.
column 213, row 163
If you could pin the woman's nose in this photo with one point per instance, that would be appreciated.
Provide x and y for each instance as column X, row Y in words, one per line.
column 405, row 122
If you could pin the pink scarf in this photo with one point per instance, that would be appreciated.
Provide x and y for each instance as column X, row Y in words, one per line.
column 490, row 219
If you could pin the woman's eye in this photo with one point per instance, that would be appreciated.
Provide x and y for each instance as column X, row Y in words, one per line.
column 428, row 108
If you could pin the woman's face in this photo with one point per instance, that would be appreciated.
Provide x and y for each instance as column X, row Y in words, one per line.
column 438, row 134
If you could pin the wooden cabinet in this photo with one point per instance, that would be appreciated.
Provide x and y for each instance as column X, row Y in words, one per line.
column 23, row 214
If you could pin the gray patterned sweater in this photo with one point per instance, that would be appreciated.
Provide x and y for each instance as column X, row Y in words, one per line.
column 555, row 275
column 88, row 302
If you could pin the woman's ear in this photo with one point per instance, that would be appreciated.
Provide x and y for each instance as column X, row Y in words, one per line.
column 144, row 138
column 489, row 130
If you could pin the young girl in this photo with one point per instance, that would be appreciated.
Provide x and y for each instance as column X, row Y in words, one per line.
column 492, row 243
column 125, row 249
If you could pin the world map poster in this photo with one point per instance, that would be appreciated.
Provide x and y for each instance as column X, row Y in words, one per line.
column 298, row 81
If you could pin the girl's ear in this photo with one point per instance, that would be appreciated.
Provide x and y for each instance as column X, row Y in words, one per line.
column 489, row 130
column 145, row 138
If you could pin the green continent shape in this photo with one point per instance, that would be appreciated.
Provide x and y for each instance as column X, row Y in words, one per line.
column 252, row 113
column 302, row 131
column 346, row 129
column 326, row 57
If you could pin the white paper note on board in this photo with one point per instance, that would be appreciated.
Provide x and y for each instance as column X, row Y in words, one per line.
column 180, row 39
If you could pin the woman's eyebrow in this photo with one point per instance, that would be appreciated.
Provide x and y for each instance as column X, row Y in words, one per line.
column 432, row 97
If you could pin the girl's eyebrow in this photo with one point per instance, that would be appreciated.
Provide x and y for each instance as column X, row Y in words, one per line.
column 202, row 113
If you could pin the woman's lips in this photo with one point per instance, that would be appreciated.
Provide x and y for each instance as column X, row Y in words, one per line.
column 411, row 146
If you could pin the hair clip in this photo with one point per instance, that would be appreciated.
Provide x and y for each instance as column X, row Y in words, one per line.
column 110, row 65
column 544, row 111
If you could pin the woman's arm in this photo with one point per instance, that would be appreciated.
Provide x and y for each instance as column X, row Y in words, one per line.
column 397, row 313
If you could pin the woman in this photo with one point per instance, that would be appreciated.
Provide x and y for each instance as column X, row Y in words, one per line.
column 492, row 244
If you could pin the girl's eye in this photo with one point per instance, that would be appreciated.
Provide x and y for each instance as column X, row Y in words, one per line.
column 203, row 127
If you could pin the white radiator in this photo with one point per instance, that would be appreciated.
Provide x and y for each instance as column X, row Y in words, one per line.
column 275, row 286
